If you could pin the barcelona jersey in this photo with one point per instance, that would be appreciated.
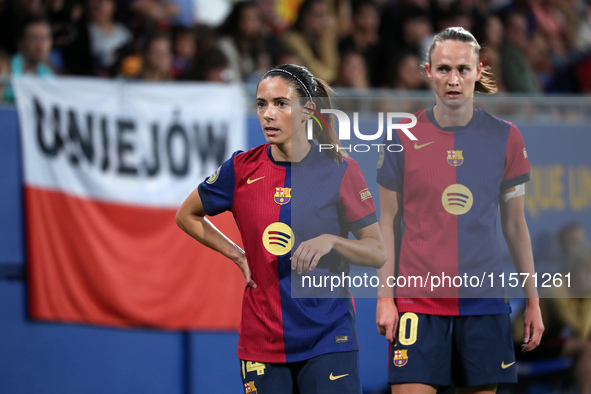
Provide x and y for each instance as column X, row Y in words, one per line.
column 278, row 205
column 451, row 180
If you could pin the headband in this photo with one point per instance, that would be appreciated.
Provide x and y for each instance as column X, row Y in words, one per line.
column 293, row 76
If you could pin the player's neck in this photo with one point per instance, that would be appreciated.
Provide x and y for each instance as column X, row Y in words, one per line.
column 456, row 115
column 290, row 151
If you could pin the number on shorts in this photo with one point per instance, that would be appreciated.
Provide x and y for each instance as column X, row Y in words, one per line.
column 408, row 337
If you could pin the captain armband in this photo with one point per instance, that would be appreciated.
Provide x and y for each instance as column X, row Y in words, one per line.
column 519, row 190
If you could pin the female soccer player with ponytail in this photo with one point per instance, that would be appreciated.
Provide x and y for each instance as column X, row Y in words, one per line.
column 294, row 206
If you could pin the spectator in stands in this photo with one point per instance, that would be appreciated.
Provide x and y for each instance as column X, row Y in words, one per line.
column 583, row 37
column 489, row 32
column 184, row 47
column 286, row 56
column 364, row 37
column 583, row 47
column 455, row 15
column 270, row 19
column 313, row 39
column 185, row 15
column 33, row 55
column 13, row 16
column 566, row 311
column 572, row 237
column 518, row 74
column 352, row 72
column 416, row 30
column 556, row 22
column 64, row 15
column 157, row 59
column 156, row 13
column 211, row 66
column 101, row 41
column 243, row 43
column 406, row 73
column 4, row 69
column 144, row 17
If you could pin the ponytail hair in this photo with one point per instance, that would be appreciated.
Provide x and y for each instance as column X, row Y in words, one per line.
column 487, row 83
column 310, row 88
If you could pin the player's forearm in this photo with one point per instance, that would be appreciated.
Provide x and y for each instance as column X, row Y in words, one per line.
column 387, row 270
column 205, row 232
column 367, row 252
column 518, row 242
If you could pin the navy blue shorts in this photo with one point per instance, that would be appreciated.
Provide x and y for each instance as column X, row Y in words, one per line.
column 329, row 373
column 464, row 350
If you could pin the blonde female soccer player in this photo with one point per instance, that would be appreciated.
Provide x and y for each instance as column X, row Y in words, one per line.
column 450, row 184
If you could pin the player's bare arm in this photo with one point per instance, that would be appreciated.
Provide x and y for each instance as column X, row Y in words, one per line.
column 518, row 241
column 390, row 221
column 367, row 250
column 190, row 217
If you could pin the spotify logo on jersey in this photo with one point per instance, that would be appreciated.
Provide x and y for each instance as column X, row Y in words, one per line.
column 278, row 238
column 457, row 199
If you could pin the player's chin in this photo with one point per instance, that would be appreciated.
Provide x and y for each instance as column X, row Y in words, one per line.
column 455, row 101
column 274, row 139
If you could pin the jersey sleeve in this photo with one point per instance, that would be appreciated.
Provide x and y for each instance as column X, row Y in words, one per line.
column 355, row 200
column 516, row 162
column 217, row 191
column 391, row 166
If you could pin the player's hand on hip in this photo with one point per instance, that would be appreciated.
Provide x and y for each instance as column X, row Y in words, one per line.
column 242, row 263
column 308, row 254
column 533, row 327
column 387, row 318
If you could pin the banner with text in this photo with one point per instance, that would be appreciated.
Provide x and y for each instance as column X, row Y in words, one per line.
column 106, row 165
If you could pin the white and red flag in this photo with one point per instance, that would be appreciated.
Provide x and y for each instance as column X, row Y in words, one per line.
column 106, row 165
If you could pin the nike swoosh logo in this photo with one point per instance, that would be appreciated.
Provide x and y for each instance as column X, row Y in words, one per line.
column 332, row 377
column 422, row 146
column 249, row 181
column 505, row 366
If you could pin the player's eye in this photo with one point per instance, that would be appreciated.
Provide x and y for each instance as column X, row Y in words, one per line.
column 260, row 104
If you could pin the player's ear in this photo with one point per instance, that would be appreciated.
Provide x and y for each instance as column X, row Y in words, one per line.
column 308, row 110
column 428, row 71
column 479, row 72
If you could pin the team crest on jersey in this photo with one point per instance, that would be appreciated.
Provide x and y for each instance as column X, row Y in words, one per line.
column 400, row 357
column 455, row 158
column 249, row 388
column 282, row 195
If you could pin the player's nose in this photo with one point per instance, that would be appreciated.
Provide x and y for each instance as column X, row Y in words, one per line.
column 453, row 77
column 269, row 112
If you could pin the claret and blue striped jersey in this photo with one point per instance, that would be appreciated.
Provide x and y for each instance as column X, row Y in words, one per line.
column 278, row 205
column 451, row 180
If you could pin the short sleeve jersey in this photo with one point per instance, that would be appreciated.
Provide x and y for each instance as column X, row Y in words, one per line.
column 451, row 180
column 278, row 205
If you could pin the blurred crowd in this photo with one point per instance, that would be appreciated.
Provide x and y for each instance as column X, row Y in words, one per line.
column 566, row 310
column 532, row 46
